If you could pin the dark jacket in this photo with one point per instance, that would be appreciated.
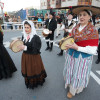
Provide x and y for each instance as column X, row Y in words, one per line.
column 34, row 46
column 52, row 25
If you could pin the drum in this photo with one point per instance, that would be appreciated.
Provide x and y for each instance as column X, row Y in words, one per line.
column 14, row 45
column 45, row 32
column 64, row 41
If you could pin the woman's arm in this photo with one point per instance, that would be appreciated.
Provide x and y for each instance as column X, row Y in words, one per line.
column 88, row 49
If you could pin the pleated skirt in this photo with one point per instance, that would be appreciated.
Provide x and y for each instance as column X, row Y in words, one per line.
column 33, row 70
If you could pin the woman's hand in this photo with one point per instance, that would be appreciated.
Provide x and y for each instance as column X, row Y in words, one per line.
column 21, row 47
column 50, row 32
column 66, row 30
column 72, row 46
column 44, row 26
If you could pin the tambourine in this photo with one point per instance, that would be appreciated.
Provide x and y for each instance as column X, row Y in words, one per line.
column 45, row 32
column 14, row 45
column 64, row 41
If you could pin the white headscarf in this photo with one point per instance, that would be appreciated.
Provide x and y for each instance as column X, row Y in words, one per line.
column 33, row 30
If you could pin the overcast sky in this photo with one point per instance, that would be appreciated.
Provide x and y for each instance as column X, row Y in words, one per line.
column 14, row 5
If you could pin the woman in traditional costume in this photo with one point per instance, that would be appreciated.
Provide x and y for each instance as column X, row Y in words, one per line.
column 32, row 66
column 79, row 56
column 7, row 66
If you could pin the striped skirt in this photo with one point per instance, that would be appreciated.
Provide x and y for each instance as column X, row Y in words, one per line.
column 77, row 71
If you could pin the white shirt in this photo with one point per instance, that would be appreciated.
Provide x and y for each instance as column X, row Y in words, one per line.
column 49, row 20
column 81, row 27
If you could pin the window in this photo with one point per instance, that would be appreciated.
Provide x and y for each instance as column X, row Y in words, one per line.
column 63, row 0
column 84, row 2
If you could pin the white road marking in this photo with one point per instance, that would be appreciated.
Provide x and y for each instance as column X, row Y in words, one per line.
column 98, row 72
column 56, row 44
column 95, row 77
column 6, row 44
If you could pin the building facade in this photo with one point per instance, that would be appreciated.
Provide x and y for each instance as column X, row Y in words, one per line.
column 47, row 4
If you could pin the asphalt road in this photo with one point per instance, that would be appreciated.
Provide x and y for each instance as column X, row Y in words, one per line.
column 53, row 89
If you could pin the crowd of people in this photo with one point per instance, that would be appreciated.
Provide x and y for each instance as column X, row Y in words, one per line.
column 10, row 20
column 78, row 56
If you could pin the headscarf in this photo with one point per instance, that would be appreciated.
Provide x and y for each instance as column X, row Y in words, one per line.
column 33, row 30
column 88, row 11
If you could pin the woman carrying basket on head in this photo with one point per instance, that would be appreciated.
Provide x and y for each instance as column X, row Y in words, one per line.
column 79, row 56
column 32, row 66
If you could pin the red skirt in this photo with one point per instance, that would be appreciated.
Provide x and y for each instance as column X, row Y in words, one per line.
column 33, row 70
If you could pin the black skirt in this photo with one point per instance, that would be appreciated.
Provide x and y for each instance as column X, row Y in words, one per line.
column 7, row 67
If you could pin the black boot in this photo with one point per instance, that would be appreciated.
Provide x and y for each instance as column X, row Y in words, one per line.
column 47, row 46
column 97, row 61
column 51, row 46
column 61, row 53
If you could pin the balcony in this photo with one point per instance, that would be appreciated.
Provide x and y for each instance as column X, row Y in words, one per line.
column 48, row 4
column 84, row 2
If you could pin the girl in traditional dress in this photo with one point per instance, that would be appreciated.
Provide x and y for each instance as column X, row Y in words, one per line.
column 79, row 56
column 32, row 66
column 7, row 66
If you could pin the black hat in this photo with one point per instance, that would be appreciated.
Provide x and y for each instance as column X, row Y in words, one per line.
column 52, row 13
column 70, row 13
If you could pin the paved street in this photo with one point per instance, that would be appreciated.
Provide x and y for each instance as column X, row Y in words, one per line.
column 53, row 89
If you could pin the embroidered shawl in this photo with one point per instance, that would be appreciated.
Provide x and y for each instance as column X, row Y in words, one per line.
column 88, row 35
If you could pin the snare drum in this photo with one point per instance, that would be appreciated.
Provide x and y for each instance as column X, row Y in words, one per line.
column 14, row 45
column 45, row 32
column 64, row 41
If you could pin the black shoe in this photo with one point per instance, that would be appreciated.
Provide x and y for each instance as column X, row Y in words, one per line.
column 50, row 49
column 59, row 34
column 60, row 54
column 47, row 48
column 56, row 36
column 97, row 61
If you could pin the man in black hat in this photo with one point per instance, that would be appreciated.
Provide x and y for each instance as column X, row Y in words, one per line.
column 69, row 24
column 50, row 24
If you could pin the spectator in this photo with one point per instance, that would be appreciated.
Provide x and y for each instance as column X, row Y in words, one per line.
column 15, row 20
column 10, row 23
